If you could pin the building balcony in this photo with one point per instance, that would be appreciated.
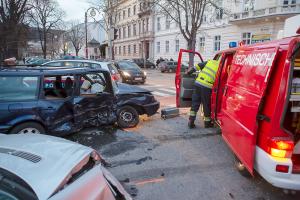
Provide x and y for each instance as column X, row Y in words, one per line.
column 146, row 35
column 283, row 11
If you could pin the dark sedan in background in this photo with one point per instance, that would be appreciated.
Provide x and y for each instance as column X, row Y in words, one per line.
column 147, row 64
column 131, row 72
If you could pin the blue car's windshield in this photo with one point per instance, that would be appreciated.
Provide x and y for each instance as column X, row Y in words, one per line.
column 15, row 88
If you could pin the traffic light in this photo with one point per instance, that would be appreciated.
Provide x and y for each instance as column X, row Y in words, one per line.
column 115, row 33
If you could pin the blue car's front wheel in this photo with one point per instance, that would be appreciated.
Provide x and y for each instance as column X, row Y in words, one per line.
column 128, row 117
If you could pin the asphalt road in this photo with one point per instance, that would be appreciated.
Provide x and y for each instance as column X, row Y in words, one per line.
column 163, row 159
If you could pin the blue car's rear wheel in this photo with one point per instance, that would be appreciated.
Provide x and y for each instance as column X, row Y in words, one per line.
column 28, row 128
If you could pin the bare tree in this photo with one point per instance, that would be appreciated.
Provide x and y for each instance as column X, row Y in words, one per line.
column 45, row 15
column 189, row 16
column 76, row 36
column 12, row 26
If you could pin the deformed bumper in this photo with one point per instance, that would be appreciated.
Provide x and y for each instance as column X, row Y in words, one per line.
column 265, row 165
column 151, row 109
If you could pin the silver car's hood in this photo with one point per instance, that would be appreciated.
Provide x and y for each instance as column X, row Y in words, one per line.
column 44, row 162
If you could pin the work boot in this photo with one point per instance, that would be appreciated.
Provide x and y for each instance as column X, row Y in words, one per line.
column 191, row 124
column 208, row 124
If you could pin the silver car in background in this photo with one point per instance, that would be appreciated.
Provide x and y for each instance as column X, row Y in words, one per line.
column 34, row 166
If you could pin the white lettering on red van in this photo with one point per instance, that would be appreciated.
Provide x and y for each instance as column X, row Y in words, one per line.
column 255, row 59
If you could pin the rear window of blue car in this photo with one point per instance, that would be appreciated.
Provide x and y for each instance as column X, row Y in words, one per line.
column 18, row 88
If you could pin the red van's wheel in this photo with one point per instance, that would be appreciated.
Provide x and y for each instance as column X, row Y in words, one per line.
column 241, row 167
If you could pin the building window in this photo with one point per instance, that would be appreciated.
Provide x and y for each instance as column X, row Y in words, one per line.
column 140, row 28
column 119, row 36
column 168, row 22
column 116, row 50
column 219, row 13
column 120, row 49
column 158, row 24
column 134, row 9
column 129, row 49
column 134, row 29
column 140, row 48
column 124, row 14
column 147, row 24
column 246, row 38
column 134, row 48
column 129, row 31
column 201, row 44
column 158, row 47
column 124, row 50
column 124, row 32
column 119, row 16
column 143, row 26
column 167, row 46
column 129, row 12
column 177, row 45
column 217, row 43
column 95, row 50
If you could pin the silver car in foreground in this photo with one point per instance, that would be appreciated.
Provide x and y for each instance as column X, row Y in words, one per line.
column 42, row 167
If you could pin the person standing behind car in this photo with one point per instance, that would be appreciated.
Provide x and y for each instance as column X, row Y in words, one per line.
column 202, row 91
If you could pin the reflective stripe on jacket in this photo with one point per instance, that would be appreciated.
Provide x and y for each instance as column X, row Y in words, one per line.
column 207, row 76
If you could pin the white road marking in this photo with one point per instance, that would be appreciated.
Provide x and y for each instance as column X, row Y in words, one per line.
column 161, row 94
column 167, row 90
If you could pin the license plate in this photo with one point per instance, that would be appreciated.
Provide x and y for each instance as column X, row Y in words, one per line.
column 138, row 79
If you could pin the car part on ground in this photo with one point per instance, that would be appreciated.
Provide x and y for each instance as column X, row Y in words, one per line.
column 77, row 169
column 167, row 113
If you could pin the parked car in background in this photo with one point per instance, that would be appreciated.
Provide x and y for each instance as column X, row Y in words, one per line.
column 147, row 64
column 131, row 72
column 54, row 168
column 133, row 101
column 39, row 61
column 87, row 63
column 169, row 66
column 55, row 101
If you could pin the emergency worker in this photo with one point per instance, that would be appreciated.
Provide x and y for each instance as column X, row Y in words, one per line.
column 202, row 91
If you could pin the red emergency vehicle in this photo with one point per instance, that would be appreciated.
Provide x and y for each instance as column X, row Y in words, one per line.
column 256, row 102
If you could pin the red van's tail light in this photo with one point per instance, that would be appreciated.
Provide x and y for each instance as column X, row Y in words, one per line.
column 281, row 147
column 115, row 77
column 282, row 168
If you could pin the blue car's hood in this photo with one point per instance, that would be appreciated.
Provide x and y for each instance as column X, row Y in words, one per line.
column 128, row 89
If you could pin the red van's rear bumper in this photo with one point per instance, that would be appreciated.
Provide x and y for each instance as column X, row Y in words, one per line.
column 265, row 165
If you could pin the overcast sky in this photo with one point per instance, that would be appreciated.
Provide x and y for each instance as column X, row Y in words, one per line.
column 74, row 9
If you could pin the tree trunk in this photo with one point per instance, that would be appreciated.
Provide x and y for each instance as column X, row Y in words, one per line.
column 77, row 50
column 191, row 45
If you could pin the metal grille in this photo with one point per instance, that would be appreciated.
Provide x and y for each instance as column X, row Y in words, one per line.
column 21, row 154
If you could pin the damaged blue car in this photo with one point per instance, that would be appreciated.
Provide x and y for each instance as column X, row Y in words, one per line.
column 60, row 101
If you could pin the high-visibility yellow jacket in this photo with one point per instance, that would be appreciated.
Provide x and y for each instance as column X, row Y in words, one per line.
column 207, row 75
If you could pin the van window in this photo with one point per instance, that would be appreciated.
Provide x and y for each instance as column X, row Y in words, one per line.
column 55, row 64
column 73, row 64
column 16, row 88
column 113, row 70
column 58, row 86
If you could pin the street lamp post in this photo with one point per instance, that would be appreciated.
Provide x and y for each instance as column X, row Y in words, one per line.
column 92, row 14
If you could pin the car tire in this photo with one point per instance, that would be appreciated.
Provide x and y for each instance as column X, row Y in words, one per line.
column 128, row 117
column 241, row 168
column 28, row 127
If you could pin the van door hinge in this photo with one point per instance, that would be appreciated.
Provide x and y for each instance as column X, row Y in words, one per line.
column 263, row 117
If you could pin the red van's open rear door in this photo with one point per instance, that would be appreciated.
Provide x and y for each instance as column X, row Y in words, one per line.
column 184, row 83
column 250, row 73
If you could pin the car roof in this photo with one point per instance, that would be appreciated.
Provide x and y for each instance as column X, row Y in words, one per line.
column 78, row 60
column 43, row 162
column 36, row 71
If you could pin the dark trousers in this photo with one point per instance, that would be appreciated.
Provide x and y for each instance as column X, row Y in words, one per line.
column 201, row 95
